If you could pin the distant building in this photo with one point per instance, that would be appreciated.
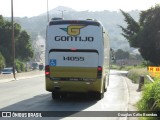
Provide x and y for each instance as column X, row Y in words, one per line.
column 128, row 62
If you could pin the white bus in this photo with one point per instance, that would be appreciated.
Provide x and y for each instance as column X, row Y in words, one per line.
column 76, row 58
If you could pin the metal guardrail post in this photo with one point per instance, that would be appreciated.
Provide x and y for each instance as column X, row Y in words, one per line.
column 149, row 77
column 141, row 83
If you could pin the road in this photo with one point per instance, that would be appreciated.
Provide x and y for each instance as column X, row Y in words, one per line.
column 30, row 95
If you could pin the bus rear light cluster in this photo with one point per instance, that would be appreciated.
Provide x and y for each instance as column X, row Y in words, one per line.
column 47, row 71
column 99, row 72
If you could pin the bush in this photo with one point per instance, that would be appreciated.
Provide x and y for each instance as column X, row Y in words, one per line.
column 20, row 66
column 134, row 74
column 2, row 61
column 113, row 66
column 150, row 100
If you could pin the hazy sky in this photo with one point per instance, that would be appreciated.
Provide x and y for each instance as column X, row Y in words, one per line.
column 35, row 7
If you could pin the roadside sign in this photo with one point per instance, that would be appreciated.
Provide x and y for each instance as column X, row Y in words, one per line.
column 154, row 71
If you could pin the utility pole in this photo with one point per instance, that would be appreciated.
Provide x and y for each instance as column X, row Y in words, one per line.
column 13, row 41
column 47, row 12
column 62, row 11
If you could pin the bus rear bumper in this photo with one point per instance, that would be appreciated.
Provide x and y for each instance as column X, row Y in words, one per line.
column 74, row 86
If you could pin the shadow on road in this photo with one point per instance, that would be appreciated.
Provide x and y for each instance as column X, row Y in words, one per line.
column 60, row 108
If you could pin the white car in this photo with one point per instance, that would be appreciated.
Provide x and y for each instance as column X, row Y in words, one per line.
column 8, row 71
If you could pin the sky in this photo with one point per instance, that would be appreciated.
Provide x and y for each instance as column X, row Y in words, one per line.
column 30, row 8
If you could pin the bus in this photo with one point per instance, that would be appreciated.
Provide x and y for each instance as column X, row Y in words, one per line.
column 76, row 58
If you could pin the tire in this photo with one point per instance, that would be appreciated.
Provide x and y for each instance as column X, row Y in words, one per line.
column 104, row 86
column 97, row 95
column 100, row 96
column 55, row 95
column 105, row 89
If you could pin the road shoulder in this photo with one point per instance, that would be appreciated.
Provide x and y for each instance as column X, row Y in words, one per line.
column 134, row 97
column 20, row 76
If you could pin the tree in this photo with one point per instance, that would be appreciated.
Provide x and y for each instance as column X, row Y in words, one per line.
column 145, row 34
column 5, row 40
column 20, row 37
column 150, row 35
column 2, row 61
column 120, row 54
column 131, row 30
column 24, row 49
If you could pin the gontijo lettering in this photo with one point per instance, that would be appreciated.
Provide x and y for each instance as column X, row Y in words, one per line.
column 73, row 38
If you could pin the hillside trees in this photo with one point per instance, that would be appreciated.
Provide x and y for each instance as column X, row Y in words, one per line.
column 2, row 61
column 144, row 34
column 23, row 47
column 120, row 54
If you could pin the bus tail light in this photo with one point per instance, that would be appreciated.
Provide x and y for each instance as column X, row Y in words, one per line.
column 47, row 71
column 99, row 72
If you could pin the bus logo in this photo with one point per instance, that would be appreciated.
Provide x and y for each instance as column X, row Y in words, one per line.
column 73, row 30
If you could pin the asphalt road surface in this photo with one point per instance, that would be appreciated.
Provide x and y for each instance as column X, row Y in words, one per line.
column 30, row 95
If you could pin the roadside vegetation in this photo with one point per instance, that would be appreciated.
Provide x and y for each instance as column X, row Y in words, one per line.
column 23, row 47
column 150, row 100
column 135, row 73
column 145, row 35
column 2, row 61
column 20, row 66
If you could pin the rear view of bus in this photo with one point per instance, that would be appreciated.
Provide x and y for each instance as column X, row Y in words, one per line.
column 77, row 58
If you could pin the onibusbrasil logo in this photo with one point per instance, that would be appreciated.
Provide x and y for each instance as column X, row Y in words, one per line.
column 73, row 30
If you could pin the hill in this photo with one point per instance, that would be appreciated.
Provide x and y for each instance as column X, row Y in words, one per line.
column 110, row 19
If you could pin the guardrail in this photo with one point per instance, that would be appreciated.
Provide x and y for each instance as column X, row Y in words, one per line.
column 141, row 82
column 149, row 77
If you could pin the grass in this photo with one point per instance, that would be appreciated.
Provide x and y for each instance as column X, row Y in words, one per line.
column 124, row 67
column 135, row 73
column 150, row 100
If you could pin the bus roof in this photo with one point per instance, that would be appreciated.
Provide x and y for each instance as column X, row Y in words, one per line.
column 84, row 22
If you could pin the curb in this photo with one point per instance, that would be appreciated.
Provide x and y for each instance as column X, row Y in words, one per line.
column 20, row 78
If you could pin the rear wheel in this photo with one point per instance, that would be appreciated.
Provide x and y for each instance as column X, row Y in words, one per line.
column 97, row 95
column 104, row 86
column 55, row 95
column 105, row 89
